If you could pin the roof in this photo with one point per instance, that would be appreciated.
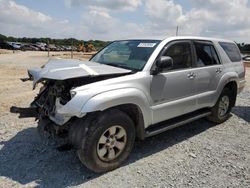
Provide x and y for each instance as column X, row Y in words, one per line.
column 197, row 38
column 181, row 37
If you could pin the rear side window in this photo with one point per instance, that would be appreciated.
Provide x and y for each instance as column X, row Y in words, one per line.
column 231, row 50
column 206, row 55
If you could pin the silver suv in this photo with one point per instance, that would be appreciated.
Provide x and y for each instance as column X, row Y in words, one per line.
column 134, row 88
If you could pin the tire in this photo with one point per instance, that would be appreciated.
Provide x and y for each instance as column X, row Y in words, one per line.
column 43, row 134
column 47, row 134
column 99, row 149
column 221, row 110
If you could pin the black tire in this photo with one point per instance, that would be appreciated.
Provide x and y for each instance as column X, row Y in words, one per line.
column 215, row 116
column 43, row 134
column 47, row 134
column 87, row 152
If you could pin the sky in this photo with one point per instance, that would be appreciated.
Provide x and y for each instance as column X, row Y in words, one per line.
column 123, row 19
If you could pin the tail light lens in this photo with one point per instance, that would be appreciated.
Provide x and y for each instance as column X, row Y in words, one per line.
column 244, row 65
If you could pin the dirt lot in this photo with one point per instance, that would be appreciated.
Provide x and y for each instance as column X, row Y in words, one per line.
column 198, row 154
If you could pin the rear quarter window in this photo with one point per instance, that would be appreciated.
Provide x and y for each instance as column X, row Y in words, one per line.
column 231, row 50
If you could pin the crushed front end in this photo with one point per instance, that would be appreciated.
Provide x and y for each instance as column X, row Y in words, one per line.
column 53, row 95
column 57, row 105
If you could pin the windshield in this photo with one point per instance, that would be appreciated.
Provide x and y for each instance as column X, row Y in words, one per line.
column 128, row 54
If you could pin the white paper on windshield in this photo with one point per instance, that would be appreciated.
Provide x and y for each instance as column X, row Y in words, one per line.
column 146, row 45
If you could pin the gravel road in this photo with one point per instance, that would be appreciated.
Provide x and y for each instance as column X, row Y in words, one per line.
column 198, row 154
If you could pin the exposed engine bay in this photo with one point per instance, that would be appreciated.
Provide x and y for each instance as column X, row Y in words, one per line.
column 54, row 93
column 57, row 79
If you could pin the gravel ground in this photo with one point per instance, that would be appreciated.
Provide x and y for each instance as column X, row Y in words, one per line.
column 198, row 154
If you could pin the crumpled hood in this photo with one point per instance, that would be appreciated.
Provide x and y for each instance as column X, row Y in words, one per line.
column 62, row 69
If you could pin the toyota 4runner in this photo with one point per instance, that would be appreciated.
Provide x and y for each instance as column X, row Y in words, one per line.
column 134, row 88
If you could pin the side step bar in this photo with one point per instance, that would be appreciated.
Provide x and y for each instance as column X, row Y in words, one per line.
column 176, row 122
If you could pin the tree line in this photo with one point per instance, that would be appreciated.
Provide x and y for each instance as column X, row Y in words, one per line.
column 244, row 47
column 98, row 44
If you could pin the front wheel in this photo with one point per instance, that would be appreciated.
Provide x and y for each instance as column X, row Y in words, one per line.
column 221, row 110
column 108, row 142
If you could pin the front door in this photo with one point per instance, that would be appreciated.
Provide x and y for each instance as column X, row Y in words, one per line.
column 172, row 90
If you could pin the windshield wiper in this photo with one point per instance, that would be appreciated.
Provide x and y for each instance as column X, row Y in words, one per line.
column 117, row 65
column 121, row 65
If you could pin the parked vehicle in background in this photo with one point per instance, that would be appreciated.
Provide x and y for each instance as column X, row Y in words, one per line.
column 134, row 88
column 74, row 48
column 26, row 47
column 67, row 48
column 246, row 58
column 35, row 47
column 52, row 47
column 5, row 45
column 15, row 45
column 41, row 44
column 39, row 47
column 29, row 47
column 60, row 48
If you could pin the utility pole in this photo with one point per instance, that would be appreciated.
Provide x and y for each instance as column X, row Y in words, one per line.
column 48, row 47
column 177, row 30
column 71, row 48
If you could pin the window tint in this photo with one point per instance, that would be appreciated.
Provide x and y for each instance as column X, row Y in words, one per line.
column 231, row 50
column 181, row 55
column 206, row 55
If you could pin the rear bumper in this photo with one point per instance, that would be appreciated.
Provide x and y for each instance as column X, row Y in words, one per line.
column 241, row 85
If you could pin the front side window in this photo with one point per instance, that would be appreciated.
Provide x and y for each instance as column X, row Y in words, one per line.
column 128, row 54
column 206, row 55
column 181, row 54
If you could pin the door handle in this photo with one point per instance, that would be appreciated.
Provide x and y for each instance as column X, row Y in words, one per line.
column 218, row 70
column 191, row 75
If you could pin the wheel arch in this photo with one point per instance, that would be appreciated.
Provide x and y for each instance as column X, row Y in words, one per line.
column 135, row 113
column 232, row 86
column 131, row 101
column 228, row 80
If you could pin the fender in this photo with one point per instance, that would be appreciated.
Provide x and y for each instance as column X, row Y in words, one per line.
column 225, row 79
column 117, row 97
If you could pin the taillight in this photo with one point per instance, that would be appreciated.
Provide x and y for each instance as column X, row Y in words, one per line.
column 244, row 65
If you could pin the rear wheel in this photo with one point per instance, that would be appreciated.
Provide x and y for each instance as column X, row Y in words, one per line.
column 221, row 110
column 108, row 142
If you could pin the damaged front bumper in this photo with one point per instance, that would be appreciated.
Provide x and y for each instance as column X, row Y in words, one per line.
column 33, row 112
column 56, row 100
column 25, row 112
column 58, row 113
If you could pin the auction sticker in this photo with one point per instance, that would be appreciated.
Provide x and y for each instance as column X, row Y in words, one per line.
column 146, row 45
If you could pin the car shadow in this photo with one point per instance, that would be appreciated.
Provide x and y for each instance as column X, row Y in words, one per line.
column 242, row 112
column 25, row 160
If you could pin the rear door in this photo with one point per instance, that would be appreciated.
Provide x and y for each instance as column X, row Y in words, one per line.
column 208, row 72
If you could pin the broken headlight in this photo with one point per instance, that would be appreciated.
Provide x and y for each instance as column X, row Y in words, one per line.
column 72, row 94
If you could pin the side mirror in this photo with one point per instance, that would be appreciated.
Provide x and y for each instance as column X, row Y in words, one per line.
column 164, row 62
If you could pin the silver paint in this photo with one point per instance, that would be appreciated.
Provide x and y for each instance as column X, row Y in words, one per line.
column 159, row 97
